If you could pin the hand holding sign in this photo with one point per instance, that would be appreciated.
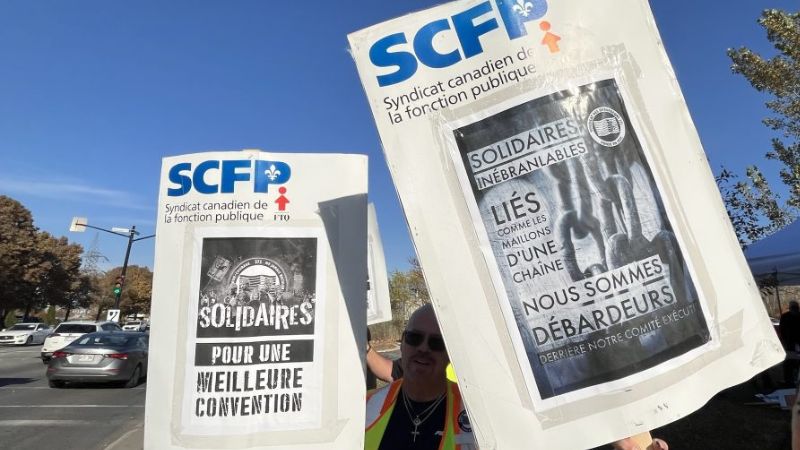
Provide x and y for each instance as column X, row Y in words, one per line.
column 641, row 441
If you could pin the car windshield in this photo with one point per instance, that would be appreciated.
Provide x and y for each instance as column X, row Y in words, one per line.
column 75, row 328
column 103, row 340
column 24, row 326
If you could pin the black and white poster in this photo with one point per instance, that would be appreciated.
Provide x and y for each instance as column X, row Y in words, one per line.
column 256, row 340
column 583, row 247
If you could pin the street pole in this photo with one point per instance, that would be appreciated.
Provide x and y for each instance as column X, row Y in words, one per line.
column 131, row 234
column 79, row 224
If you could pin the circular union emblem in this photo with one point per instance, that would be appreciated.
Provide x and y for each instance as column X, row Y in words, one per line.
column 256, row 278
column 606, row 126
column 463, row 422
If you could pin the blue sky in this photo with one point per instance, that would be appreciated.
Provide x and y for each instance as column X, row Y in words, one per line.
column 94, row 93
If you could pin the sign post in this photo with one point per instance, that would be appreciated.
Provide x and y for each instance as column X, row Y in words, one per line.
column 112, row 315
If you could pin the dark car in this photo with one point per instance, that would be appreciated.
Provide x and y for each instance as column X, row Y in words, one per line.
column 100, row 357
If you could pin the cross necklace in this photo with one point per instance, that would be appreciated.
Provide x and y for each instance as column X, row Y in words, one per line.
column 418, row 418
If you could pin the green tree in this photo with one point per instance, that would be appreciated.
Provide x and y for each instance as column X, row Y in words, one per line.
column 753, row 208
column 50, row 318
column 752, row 204
column 10, row 319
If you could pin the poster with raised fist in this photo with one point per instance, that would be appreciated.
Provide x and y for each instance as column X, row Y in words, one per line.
column 571, row 214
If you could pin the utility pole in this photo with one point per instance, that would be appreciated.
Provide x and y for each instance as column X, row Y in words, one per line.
column 79, row 224
column 121, row 280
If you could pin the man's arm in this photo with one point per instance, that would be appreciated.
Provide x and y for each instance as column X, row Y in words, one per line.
column 380, row 365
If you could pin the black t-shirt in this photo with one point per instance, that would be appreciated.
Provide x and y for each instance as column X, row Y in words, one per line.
column 398, row 434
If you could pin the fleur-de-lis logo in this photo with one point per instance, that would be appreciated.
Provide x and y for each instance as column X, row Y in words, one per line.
column 273, row 173
column 523, row 8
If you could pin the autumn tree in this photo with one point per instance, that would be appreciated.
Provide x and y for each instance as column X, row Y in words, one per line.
column 17, row 246
column 138, row 290
column 751, row 202
column 80, row 295
column 407, row 292
column 136, row 294
column 55, row 272
column 36, row 268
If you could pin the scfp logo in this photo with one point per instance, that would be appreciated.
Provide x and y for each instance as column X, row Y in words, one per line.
column 395, row 50
column 214, row 177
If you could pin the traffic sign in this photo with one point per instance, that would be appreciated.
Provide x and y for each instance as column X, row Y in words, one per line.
column 113, row 315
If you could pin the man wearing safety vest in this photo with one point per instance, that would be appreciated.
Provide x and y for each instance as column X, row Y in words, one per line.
column 421, row 408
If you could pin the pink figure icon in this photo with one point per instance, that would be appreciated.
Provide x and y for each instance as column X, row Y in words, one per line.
column 549, row 39
column 282, row 200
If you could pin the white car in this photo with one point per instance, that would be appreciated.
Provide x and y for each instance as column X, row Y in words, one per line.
column 25, row 334
column 67, row 332
column 133, row 325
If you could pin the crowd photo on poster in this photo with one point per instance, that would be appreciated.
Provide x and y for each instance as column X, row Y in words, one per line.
column 256, row 344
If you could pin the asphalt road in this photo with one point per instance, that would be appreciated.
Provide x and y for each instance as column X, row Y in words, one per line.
column 34, row 416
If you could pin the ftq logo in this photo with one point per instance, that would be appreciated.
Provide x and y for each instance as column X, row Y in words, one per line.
column 405, row 53
column 225, row 175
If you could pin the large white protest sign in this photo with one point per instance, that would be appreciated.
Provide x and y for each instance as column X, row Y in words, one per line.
column 379, row 308
column 258, row 302
column 587, row 281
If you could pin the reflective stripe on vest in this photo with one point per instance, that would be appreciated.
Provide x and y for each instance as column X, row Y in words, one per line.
column 381, row 404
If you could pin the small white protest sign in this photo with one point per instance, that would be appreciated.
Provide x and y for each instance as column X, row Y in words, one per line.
column 259, row 302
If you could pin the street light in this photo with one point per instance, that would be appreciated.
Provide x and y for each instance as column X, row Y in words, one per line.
column 80, row 224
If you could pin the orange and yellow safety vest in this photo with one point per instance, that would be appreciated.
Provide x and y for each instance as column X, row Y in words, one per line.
column 457, row 433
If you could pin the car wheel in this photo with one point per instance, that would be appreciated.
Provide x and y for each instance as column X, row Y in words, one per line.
column 134, row 380
column 55, row 384
column 29, row 341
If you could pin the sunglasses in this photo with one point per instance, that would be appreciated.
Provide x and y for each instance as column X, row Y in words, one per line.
column 415, row 339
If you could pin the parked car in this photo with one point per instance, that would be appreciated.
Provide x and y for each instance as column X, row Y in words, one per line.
column 67, row 332
column 134, row 325
column 100, row 357
column 25, row 334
